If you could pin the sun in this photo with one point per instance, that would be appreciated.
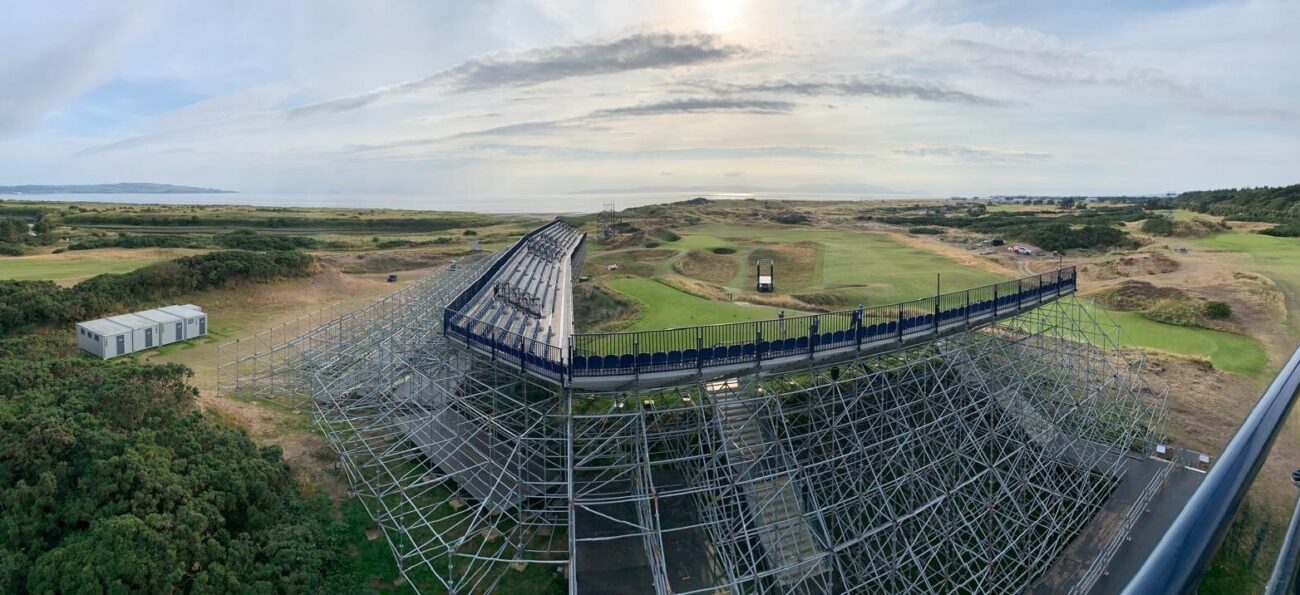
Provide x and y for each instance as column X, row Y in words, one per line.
column 722, row 16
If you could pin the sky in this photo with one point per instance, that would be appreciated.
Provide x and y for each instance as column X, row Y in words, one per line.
column 552, row 97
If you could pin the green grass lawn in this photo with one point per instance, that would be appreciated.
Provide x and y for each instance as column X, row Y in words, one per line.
column 1230, row 352
column 861, row 267
column 71, row 267
column 666, row 307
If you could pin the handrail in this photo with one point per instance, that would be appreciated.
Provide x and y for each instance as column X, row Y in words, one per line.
column 1178, row 562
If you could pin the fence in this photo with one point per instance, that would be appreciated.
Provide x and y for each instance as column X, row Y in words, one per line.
column 616, row 354
column 645, row 352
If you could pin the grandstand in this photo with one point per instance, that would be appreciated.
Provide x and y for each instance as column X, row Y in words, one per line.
column 972, row 441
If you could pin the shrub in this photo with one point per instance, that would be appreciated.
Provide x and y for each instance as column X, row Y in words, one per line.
column 11, row 250
column 723, row 250
column 1159, row 226
column 927, row 230
column 1218, row 310
column 791, row 218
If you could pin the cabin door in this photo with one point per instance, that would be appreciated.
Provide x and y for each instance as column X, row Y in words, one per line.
column 180, row 331
column 148, row 337
column 121, row 344
column 203, row 326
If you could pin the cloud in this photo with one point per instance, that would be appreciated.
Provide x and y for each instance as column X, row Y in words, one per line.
column 697, row 106
column 36, row 86
column 876, row 85
column 1039, row 58
column 970, row 154
column 638, row 51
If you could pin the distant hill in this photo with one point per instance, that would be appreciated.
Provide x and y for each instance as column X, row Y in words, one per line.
column 119, row 188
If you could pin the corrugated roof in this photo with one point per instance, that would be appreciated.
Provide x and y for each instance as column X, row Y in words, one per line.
column 133, row 321
column 157, row 315
column 104, row 327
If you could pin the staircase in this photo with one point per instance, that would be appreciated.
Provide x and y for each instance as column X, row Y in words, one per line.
column 768, row 484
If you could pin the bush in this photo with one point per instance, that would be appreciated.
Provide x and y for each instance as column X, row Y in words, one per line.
column 27, row 303
column 113, row 481
column 1159, row 226
column 927, row 230
column 247, row 239
column 1286, row 230
column 792, row 218
column 1218, row 310
column 11, row 250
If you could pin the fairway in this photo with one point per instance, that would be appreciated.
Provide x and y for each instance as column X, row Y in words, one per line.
column 857, row 267
column 666, row 307
column 69, row 267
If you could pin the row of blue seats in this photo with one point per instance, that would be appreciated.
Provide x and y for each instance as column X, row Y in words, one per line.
column 687, row 358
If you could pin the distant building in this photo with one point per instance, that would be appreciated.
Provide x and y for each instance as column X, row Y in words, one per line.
column 128, row 333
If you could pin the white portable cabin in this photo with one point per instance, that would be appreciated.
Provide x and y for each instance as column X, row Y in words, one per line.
column 170, row 326
column 104, row 338
column 196, row 320
column 128, row 333
column 144, row 332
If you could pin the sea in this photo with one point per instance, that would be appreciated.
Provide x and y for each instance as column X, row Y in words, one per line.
column 532, row 204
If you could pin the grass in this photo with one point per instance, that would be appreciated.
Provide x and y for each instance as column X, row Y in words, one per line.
column 857, row 267
column 1230, row 352
column 666, row 307
column 70, row 267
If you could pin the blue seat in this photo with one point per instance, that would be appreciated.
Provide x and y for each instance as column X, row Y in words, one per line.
column 642, row 359
column 801, row 343
column 659, row 358
column 763, row 347
column 791, row 344
column 690, row 355
column 706, row 353
column 837, row 337
column 734, row 351
column 827, row 338
column 747, row 350
column 674, row 358
column 816, row 340
column 594, row 362
column 611, row 362
column 626, row 360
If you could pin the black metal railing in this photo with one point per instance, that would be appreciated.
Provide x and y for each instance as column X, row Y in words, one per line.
column 1178, row 562
column 647, row 352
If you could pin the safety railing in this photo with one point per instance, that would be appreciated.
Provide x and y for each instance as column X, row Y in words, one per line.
column 1178, row 562
column 648, row 352
column 539, row 356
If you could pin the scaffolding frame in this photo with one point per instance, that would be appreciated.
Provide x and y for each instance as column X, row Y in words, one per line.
column 964, row 465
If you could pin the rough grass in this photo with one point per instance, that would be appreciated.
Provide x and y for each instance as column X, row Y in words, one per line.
column 1131, row 296
column 707, row 266
column 597, row 309
column 795, row 265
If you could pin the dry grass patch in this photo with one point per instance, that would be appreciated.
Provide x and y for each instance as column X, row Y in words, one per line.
column 1138, row 265
column 795, row 264
column 706, row 266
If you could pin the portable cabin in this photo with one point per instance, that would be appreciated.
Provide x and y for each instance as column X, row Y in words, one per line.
column 170, row 326
column 104, row 338
column 196, row 321
column 145, row 333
